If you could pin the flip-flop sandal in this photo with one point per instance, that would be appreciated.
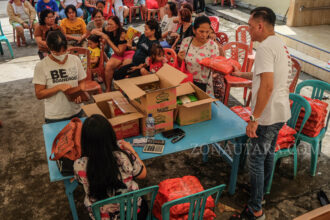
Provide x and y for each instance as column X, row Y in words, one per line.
column 322, row 197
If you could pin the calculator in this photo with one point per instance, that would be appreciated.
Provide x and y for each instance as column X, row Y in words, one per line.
column 153, row 148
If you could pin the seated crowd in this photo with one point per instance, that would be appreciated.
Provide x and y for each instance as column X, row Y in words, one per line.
column 127, row 58
column 109, row 168
column 58, row 71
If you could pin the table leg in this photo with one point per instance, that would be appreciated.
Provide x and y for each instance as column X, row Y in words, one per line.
column 69, row 188
column 205, row 152
column 234, row 168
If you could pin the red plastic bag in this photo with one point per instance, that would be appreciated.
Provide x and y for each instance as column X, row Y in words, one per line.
column 152, row 4
column 220, row 64
column 208, row 215
column 286, row 131
column 183, row 69
column 285, row 138
column 316, row 121
column 176, row 188
column 243, row 112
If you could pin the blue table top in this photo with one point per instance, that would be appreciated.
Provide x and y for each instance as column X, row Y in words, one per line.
column 225, row 125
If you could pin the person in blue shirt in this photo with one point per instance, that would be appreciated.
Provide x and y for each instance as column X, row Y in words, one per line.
column 47, row 4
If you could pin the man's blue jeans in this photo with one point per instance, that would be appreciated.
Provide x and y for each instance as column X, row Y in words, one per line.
column 261, row 162
column 79, row 13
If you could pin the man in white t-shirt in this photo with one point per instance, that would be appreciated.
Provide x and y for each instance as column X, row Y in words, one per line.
column 270, row 105
column 54, row 75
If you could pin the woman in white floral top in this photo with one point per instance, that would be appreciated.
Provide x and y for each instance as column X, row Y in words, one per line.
column 105, row 170
column 196, row 48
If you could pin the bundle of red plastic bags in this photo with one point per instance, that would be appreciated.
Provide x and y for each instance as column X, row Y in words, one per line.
column 221, row 64
column 243, row 112
column 285, row 137
column 316, row 120
column 176, row 188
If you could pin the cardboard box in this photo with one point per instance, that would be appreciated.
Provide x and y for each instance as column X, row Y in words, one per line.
column 193, row 112
column 160, row 100
column 322, row 213
column 124, row 125
column 163, row 122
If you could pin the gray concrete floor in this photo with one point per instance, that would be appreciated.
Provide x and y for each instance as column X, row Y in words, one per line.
column 27, row 193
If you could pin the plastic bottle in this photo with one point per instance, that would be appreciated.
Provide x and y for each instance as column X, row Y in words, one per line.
column 150, row 126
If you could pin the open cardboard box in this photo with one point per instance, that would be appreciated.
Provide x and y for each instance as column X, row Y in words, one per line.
column 160, row 100
column 124, row 125
column 193, row 112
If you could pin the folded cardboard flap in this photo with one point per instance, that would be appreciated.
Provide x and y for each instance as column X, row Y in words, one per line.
column 189, row 88
column 131, row 89
column 170, row 76
column 107, row 96
column 91, row 109
column 151, row 78
column 102, row 107
column 199, row 102
column 167, row 75
column 200, row 93
column 125, row 118
column 184, row 89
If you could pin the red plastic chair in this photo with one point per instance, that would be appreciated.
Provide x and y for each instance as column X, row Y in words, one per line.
column 215, row 23
column 243, row 36
column 30, row 30
column 296, row 69
column 223, row 37
column 84, row 55
column 239, row 52
column 132, row 9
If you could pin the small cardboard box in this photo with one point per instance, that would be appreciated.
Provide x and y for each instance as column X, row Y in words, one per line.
column 124, row 125
column 193, row 112
column 160, row 100
column 163, row 122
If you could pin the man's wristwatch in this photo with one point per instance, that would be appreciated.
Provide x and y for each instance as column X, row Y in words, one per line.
column 253, row 119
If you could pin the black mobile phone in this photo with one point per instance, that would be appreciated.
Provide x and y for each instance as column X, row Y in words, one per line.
column 173, row 133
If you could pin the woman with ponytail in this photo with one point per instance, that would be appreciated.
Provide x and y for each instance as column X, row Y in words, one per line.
column 106, row 169
column 152, row 34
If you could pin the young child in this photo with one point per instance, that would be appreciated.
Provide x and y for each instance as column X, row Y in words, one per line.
column 93, row 47
column 155, row 61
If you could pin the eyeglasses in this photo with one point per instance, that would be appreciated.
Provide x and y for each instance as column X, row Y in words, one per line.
column 51, row 17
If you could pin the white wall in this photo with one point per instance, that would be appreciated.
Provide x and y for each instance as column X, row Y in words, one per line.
column 280, row 7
